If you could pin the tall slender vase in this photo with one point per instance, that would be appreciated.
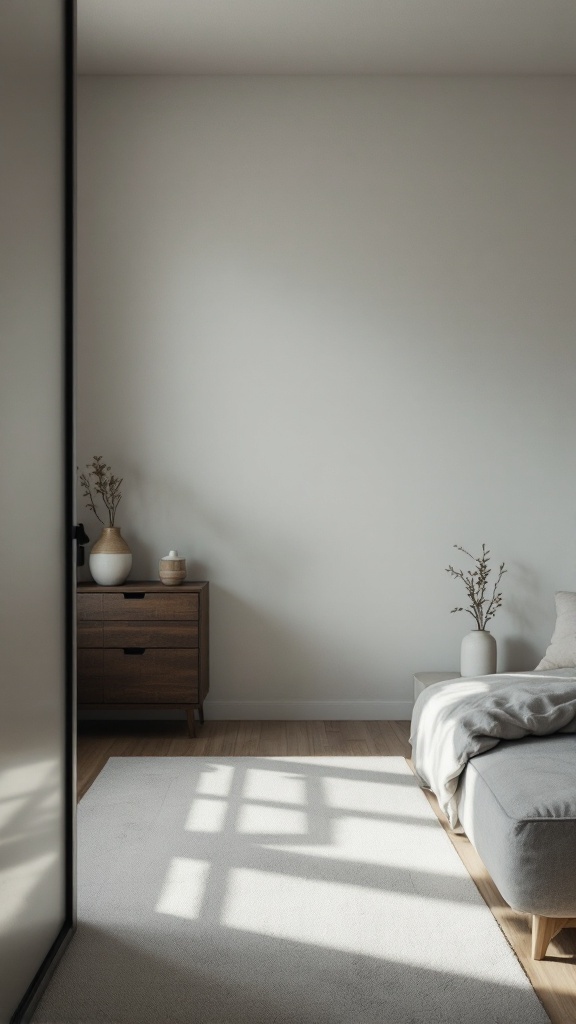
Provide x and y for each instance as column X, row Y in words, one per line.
column 478, row 654
column 110, row 559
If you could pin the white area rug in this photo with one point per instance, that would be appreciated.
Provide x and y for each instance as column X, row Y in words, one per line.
column 307, row 890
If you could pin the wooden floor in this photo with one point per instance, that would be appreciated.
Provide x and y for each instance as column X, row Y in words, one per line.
column 554, row 979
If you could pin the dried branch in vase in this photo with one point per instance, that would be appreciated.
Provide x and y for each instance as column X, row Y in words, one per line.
column 484, row 602
column 103, row 484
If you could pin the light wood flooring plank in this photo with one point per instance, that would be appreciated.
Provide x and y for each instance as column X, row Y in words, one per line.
column 322, row 738
column 209, row 739
column 297, row 742
column 93, row 752
column 350, row 739
column 229, row 738
column 396, row 744
column 273, row 740
column 248, row 739
column 215, row 738
column 376, row 740
column 554, row 979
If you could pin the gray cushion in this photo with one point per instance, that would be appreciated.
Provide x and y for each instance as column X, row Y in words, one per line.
column 518, row 808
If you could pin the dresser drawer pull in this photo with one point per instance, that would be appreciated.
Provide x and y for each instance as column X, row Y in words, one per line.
column 137, row 596
column 134, row 650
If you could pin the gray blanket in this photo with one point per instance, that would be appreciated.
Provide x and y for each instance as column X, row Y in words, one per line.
column 455, row 720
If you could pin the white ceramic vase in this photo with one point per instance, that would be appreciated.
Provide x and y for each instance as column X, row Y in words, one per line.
column 110, row 558
column 478, row 654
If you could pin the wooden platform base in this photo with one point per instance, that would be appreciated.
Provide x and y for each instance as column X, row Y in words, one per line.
column 543, row 931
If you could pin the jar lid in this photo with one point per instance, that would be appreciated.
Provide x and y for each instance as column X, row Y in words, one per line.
column 171, row 556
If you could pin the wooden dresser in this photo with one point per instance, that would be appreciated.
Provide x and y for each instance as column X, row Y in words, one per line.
column 143, row 645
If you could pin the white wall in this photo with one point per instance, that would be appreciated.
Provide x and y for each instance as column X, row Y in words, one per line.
column 326, row 331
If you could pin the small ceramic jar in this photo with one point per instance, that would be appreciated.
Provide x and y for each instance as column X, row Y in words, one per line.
column 172, row 569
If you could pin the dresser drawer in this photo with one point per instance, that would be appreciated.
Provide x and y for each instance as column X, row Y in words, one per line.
column 90, row 677
column 89, row 606
column 137, row 604
column 137, row 634
column 89, row 634
column 152, row 676
column 144, row 634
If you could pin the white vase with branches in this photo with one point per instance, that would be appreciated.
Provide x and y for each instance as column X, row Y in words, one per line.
column 478, row 653
column 110, row 559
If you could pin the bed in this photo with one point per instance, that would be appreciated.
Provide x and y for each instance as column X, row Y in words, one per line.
column 499, row 752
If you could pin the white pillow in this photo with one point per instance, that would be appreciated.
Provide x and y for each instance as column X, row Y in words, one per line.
column 562, row 650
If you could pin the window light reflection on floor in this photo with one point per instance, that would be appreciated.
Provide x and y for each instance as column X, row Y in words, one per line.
column 259, row 820
column 275, row 786
column 216, row 780
column 294, row 909
column 378, row 845
column 184, row 888
column 206, row 815
column 252, row 905
column 308, row 817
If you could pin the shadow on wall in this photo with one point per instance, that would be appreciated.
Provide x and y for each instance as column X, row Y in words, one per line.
column 525, row 604
column 519, row 655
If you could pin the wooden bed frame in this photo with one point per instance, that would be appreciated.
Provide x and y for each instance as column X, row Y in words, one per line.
column 543, row 931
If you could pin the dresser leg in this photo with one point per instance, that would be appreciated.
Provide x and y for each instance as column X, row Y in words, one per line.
column 191, row 722
column 201, row 714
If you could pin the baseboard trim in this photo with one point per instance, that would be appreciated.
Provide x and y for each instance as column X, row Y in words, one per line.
column 309, row 710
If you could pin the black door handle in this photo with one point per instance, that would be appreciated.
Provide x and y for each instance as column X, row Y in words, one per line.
column 81, row 537
column 134, row 650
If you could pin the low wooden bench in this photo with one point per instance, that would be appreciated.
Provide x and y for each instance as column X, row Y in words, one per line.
column 518, row 808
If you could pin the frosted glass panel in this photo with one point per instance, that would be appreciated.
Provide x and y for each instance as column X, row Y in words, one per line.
column 32, row 515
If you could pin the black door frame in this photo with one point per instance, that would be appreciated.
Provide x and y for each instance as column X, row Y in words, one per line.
column 34, row 991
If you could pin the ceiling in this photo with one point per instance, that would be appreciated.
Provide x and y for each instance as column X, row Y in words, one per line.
column 293, row 37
